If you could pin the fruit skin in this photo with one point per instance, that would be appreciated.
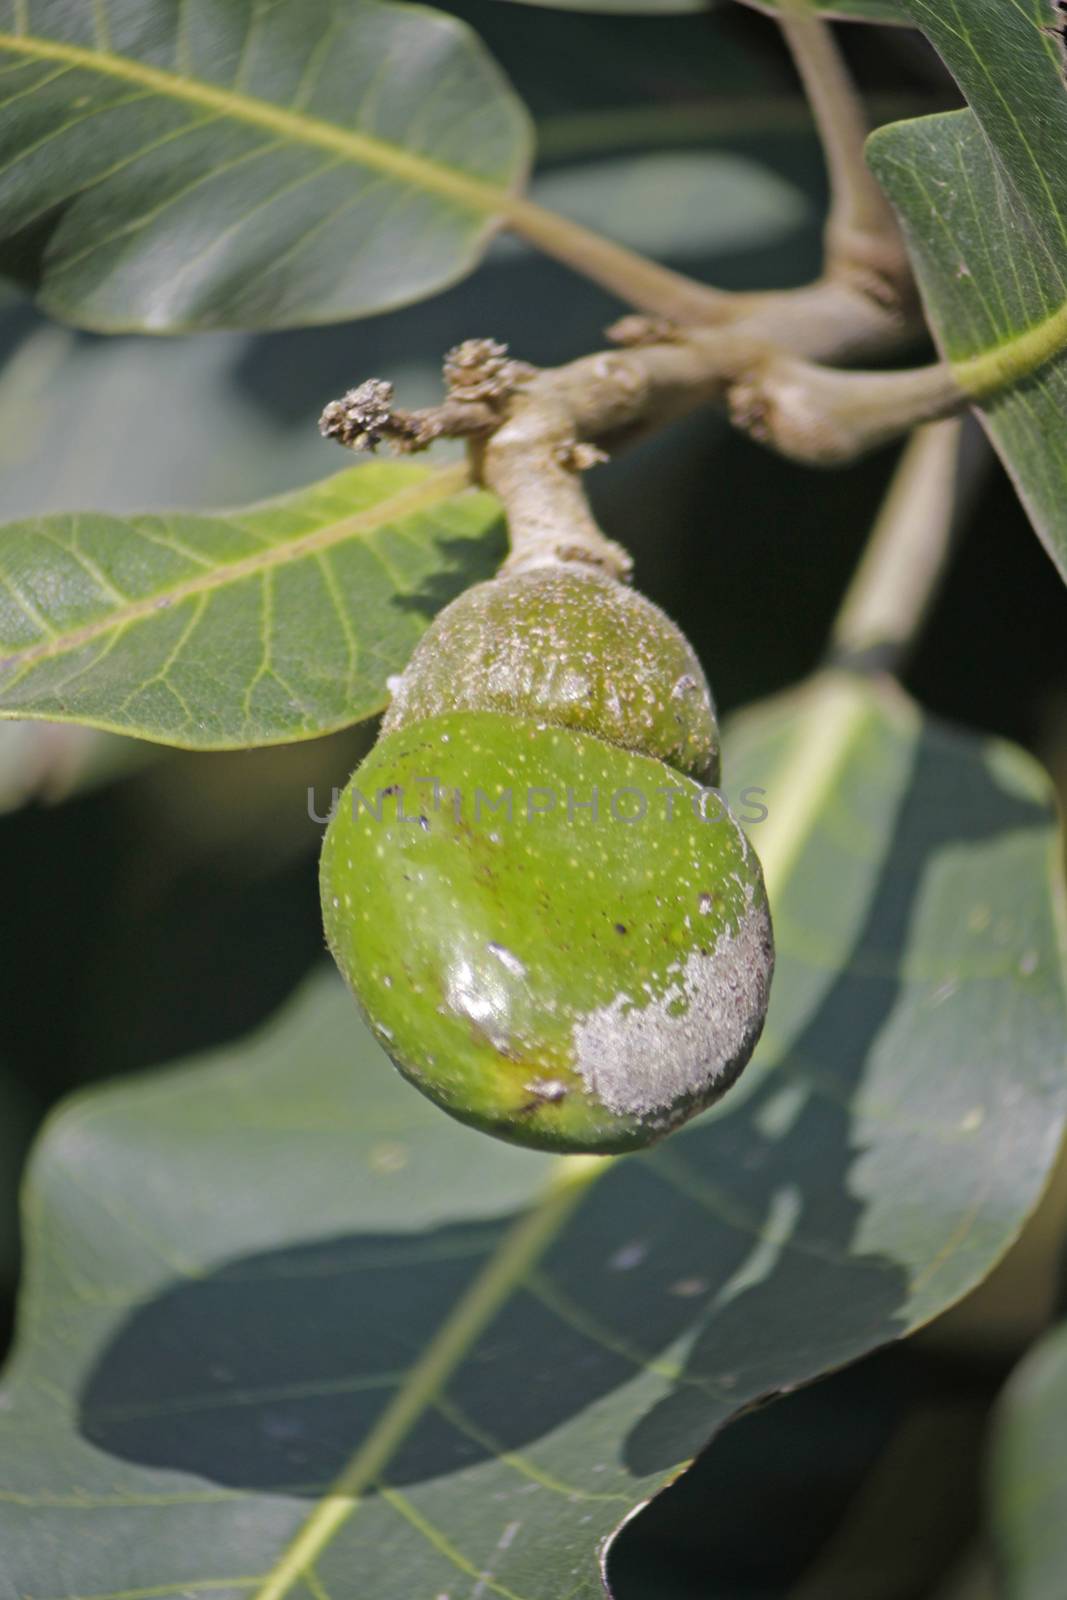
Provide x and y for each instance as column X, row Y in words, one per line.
column 564, row 981
column 569, row 645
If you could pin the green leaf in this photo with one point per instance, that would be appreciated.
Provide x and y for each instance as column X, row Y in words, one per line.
column 288, row 1331
column 224, row 441
column 282, row 621
column 996, row 294
column 674, row 203
column 1028, row 1474
column 983, row 197
column 171, row 165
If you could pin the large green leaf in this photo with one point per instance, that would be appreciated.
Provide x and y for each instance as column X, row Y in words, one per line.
column 997, row 295
column 168, row 164
column 282, row 621
column 1028, row 1474
column 287, row 1330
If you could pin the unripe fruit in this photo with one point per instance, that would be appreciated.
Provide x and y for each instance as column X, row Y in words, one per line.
column 563, row 978
column 568, row 645
column 555, row 931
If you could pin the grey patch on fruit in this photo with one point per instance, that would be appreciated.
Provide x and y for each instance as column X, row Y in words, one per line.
column 638, row 1060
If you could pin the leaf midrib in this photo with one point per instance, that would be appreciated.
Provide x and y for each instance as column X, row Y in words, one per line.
column 520, row 1249
column 444, row 483
column 364, row 148
column 1000, row 365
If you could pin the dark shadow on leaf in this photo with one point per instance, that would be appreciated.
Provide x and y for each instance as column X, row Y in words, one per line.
column 822, row 1302
column 26, row 250
column 268, row 1372
column 469, row 561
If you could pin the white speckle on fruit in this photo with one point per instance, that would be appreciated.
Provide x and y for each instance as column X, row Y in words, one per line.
column 551, row 1089
column 507, row 959
column 473, row 995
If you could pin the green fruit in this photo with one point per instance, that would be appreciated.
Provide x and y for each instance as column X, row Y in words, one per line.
column 567, row 645
column 563, row 979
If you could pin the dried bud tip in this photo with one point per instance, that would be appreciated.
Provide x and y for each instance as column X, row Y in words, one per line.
column 362, row 417
column 481, row 369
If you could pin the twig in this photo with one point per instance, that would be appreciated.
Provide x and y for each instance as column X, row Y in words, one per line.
column 614, row 397
column 635, row 279
column 533, row 464
column 863, row 243
column 865, row 290
column 823, row 417
column 767, row 356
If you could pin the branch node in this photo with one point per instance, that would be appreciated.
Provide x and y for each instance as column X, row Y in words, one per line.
column 824, row 417
column 778, row 406
column 635, row 330
column 578, row 456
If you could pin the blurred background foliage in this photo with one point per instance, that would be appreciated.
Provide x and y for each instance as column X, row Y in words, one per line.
column 166, row 902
